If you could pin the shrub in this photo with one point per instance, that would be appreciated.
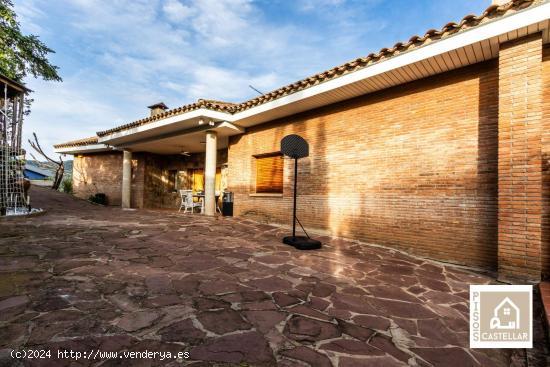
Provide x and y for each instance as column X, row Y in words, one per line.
column 67, row 185
column 98, row 198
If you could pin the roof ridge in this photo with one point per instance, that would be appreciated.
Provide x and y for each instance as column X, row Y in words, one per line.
column 78, row 142
column 207, row 100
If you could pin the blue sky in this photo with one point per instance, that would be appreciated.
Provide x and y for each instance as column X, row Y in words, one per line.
column 118, row 56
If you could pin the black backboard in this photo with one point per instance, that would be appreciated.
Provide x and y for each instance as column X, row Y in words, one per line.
column 294, row 146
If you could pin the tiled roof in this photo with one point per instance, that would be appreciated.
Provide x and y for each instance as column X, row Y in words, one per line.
column 201, row 103
column 432, row 35
column 77, row 143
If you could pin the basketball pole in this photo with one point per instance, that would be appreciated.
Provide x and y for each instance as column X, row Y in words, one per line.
column 295, row 147
column 295, row 196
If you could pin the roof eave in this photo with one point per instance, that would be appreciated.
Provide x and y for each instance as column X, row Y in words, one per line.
column 89, row 148
column 189, row 117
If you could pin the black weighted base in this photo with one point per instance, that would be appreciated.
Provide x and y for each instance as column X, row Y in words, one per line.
column 302, row 242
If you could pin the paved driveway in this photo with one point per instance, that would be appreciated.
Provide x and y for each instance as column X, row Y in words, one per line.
column 86, row 278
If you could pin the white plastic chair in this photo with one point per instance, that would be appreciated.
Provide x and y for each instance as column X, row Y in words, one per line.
column 187, row 201
column 218, row 194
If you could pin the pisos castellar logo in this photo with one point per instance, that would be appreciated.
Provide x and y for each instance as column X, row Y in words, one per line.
column 501, row 316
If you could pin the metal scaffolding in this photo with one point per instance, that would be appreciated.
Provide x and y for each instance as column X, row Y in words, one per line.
column 13, row 199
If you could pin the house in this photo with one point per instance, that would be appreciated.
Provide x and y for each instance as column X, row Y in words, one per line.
column 438, row 146
column 35, row 172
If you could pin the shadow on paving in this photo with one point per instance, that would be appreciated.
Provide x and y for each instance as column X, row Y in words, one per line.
column 86, row 278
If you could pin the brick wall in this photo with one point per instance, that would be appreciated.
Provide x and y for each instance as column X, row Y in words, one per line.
column 545, row 251
column 156, row 191
column 98, row 173
column 102, row 173
column 520, row 161
column 414, row 167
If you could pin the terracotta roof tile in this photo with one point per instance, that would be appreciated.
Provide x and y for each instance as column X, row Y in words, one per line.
column 77, row 143
column 201, row 103
column 451, row 28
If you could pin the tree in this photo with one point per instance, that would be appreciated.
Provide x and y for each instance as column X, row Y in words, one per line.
column 21, row 55
column 60, row 170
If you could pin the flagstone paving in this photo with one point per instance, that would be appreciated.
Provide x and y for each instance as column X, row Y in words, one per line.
column 84, row 278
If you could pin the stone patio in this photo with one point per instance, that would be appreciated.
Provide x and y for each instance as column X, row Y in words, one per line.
column 84, row 277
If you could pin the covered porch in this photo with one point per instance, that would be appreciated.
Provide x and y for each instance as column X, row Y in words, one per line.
column 190, row 158
column 156, row 161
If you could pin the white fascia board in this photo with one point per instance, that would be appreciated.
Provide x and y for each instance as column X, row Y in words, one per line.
column 91, row 148
column 482, row 32
column 198, row 113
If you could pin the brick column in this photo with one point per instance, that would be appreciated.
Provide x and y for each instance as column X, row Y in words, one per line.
column 519, row 160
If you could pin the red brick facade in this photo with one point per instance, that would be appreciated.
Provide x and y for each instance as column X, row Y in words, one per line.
column 414, row 167
column 545, row 251
column 102, row 173
column 520, row 161
column 452, row 167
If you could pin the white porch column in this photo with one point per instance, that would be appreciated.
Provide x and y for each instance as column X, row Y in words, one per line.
column 126, row 178
column 210, row 173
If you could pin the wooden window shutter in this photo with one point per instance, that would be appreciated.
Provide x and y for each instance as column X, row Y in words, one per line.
column 269, row 174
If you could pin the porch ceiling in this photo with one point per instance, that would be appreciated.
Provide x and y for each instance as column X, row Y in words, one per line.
column 190, row 139
column 192, row 143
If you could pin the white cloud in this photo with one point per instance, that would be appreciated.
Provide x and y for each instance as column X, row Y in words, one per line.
column 175, row 11
column 117, row 57
column 225, row 84
column 128, row 56
column 308, row 5
column 28, row 13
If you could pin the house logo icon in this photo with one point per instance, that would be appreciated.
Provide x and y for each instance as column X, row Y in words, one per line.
column 501, row 316
column 506, row 316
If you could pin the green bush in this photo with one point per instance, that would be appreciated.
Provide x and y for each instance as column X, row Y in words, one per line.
column 67, row 185
column 98, row 198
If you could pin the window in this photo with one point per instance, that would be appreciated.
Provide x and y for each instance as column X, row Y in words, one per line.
column 269, row 174
column 197, row 179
